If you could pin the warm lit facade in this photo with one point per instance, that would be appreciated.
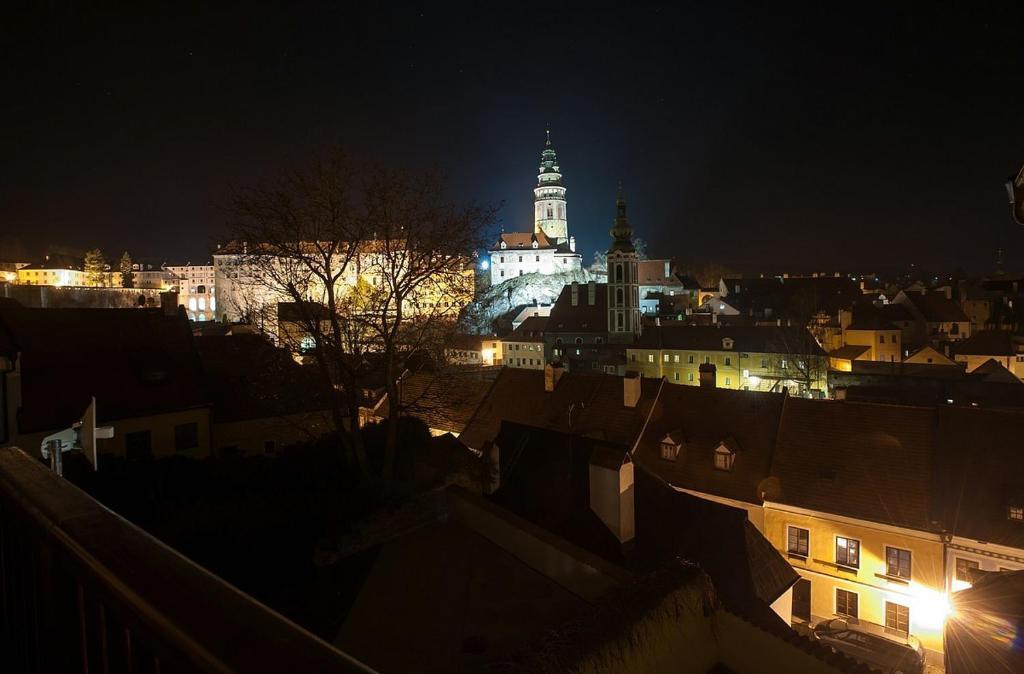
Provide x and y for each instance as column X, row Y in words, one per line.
column 51, row 275
column 883, row 342
column 745, row 357
column 881, row 574
column 196, row 293
column 524, row 348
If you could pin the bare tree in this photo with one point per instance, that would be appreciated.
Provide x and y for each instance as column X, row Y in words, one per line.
column 797, row 357
column 357, row 268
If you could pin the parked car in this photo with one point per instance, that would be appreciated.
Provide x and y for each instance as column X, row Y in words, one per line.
column 874, row 650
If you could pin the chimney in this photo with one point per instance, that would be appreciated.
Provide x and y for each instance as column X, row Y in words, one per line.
column 611, row 492
column 657, row 321
column 552, row 373
column 631, row 389
column 169, row 303
column 575, row 293
column 668, row 268
column 591, row 292
column 949, row 292
column 708, row 373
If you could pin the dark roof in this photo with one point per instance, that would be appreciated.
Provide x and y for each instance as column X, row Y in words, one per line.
column 545, row 478
column 444, row 400
column 861, row 460
column 849, row 352
column 518, row 395
column 980, row 472
column 896, row 312
column 522, row 241
column 748, row 572
column 530, row 330
column 466, row 342
column 987, row 343
column 137, row 362
column 935, row 308
column 581, row 318
column 758, row 339
column 291, row 312
column 794, row 297
column 700, row 419
column 994, row 371
column 249, row 378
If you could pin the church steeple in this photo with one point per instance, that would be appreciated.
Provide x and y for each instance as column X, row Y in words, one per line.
column 621, row 231
column 549, row 197
column 623, row 278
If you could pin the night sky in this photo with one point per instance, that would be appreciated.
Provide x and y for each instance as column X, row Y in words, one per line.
column 759, row 138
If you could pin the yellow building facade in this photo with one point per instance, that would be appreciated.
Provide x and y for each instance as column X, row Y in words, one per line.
column 738, row 370
column 875, row 574
column 883, row 344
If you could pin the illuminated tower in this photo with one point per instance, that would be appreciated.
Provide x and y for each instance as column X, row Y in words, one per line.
column 549, row 198
column 623, row 282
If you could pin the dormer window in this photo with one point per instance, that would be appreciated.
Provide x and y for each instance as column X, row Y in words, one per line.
column 727, row 343
column 504, row 245
column 1015, row 512
column 534, row 243
column 671, row 445
column 725, row 456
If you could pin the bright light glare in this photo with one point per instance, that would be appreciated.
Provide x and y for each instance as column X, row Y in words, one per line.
column 484, row 264
column 929, row 607
column 755, row 381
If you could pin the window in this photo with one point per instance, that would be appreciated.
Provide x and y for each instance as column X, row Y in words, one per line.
column 186, row 436
column 619, row 297
column 799, row 540
column 728, row 360
column 138, row 445
column 728, row 381
column 1015, row 512
column 579, row 340
column 724, row 458
column 846, row 603
column 502, row 258
column 764, row 362
column 269, row 447
column 520, row 258
column 650, row 358
column 503, row 273
column 897, row 618
column 536, row 258
column 669, row 450
column 847, row 552
column 881, row 339
column 664, row 357
column 963, row 569
column 675, row 376
column 632, row 357
column 618, row 273
column 782, row 363
column 675, row 358
column 689, row 359
column 897, row 562
column 689, row 377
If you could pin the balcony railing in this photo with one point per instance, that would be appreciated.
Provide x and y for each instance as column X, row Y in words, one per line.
column 83, row 590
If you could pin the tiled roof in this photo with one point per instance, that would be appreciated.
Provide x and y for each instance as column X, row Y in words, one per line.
column 980, row 472
column 596, row 400
column 584, row 317
column 701, row 419
column 935, row 308
column 522, row 241
column 530, row 330
column 758, row 339
column 862, row 460
column 987, row 343
column 849, row 352
column 137, row 362
column 443, row 400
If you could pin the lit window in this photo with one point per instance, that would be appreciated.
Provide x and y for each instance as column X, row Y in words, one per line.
column 728, row 381
column 897, row 563
column 675, row 358
column 1015, row 512
column 202, row 304
column 689, row 377
column 675, row 376
column 782, row 364
column 846, row 603
column 799, row 540
column 963, row 569
column 897, row 618
column 724, row 458
column 669, row 450
column 650, row 358
column 689, row 359
column 665, row 357
column 764, row 362
column 847, row 552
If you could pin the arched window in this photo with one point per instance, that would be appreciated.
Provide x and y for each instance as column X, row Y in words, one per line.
column 558, row 341
column 551, row 213
column 618, row 273
column 579, row 340
column 619, row 297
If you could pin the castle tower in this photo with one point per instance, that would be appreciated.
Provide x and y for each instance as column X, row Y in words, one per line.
column 623, row 282
column 549, row 198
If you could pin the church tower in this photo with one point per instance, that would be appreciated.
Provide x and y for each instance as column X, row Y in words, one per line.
column 549, row 198
column 623, row 281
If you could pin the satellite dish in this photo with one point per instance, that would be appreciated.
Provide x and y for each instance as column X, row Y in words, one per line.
column 89, row 433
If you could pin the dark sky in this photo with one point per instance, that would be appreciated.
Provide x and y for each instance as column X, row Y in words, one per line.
column 761, row 138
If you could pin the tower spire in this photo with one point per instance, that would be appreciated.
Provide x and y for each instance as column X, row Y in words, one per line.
column 621, row 231
column 548, row 132
column 549, row 197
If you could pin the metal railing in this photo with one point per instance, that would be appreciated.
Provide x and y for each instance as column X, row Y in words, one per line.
column 83, row 590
